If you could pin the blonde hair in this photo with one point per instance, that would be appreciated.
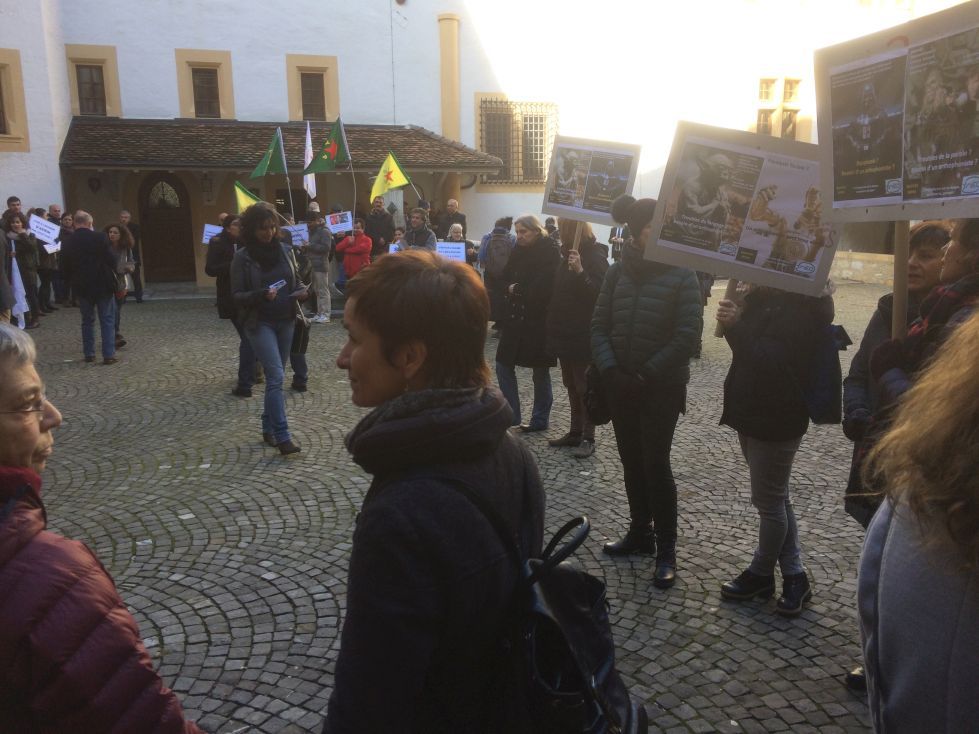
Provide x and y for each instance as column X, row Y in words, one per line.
column 566, row 227
column 929, row 458
column 529, row 221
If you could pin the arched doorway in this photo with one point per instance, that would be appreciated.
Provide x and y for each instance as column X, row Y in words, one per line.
column 167, row 235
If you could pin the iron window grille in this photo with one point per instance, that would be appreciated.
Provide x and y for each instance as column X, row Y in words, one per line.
column 521, row 134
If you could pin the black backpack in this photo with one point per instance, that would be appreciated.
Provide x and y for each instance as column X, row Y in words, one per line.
column 497, row 254
column 557, row 641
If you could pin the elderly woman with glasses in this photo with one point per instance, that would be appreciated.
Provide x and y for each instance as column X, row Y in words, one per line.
column 72, row 655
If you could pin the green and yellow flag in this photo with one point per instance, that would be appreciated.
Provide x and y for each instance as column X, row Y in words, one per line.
column 335, row 151
column 274, row 160
column 244, row 197
column 391, row 176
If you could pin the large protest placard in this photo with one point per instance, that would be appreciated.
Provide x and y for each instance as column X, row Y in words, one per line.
column 300, row 234
column 898, row 116
column 586, row 176
column 743, row 206
column 44, row 230
column 451, row 250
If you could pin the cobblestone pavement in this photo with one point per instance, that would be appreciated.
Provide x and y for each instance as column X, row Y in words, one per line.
column 234, row 559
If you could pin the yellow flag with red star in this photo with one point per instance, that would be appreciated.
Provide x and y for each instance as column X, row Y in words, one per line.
column 391, row 176
column 333, row 153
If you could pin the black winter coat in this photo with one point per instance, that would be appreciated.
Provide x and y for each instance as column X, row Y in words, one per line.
column 89, row 264
column 220, row 253
column 648, row 320
column 773, row 348
column 573, row 301
column 429, row 578
column 523, row 334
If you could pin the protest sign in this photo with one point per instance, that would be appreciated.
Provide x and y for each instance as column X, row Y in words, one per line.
column 586, row 176
column 743, row 206
column 300, row 234
column 452, row 250
column 43, row 229
column 211, row 230
column 340, row 222
column 898, row 116
column 52, row 248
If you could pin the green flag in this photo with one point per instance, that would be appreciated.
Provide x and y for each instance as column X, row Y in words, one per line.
column 334, row 152
column 274, row 160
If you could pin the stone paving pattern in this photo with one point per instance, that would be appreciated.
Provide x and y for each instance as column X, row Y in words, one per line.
column 234, row 559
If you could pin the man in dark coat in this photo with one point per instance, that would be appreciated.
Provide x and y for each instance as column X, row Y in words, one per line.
column 451, row 216
column 379, row 226
column 90, row 268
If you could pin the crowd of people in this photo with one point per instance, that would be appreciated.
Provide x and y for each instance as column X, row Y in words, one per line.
column 428, row 581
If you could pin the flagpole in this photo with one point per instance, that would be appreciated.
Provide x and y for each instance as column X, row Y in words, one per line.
column 282, row 147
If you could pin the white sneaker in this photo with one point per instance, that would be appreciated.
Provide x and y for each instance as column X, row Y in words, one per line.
column 319, row 319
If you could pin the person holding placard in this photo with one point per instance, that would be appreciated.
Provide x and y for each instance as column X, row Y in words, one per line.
column 529, row 278
column 47, row 267
column 772, row 335
column 456, row 234
column 320, row 246
column 355, row 250
column 577, row 283
column 24, row 246
column 646, row 326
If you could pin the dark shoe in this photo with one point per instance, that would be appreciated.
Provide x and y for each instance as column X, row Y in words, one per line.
column 120, row 342
column 298, row 386
column 635, row 542
column 747, row 586
column 796, row 591
column 665, row 574
column 267, row 437
column 523, row 428
column 242, row 392
column 289, row 447
column 51, row 308
column 33, row 325
column 89, row 359
column 585, row 449
column 568, row 439
column 110, row 360
column 856, row 681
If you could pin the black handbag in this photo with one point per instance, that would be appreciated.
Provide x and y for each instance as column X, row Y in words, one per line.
column 596, row 402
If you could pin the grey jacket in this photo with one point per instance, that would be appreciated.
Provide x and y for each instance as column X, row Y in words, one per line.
column 248, row 286
column 320, row 243
column 919, row 621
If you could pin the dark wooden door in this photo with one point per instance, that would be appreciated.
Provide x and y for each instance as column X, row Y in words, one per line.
column 168, row 241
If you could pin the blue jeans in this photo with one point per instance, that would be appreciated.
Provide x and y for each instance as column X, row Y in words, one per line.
column 770, row 467
column 271, row 342
column 506, row 376
column 106, row 306
column 246, row 357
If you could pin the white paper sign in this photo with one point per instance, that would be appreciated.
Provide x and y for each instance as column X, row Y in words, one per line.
column 51, row 249
column 211, row 230
column 340, row 222
column 300, row 234
column 452, row 250
column 43, row 229
column 394, row 247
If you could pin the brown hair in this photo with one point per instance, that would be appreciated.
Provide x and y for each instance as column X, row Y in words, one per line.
column 928, row 459
column 930, row 233
column 566, row 227
column 125, row 236
column 420, row 296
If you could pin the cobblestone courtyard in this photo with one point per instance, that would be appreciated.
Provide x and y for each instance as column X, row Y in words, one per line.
column 234, row 559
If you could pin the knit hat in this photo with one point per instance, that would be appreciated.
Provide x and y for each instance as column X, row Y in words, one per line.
column 637, row 214
column 313, row 206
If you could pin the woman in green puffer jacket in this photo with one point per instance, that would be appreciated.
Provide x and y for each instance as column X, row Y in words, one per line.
column 647, row 324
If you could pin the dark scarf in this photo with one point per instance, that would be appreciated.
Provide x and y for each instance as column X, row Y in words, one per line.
column 265, row 255
column 936, row 310
column 637, row 266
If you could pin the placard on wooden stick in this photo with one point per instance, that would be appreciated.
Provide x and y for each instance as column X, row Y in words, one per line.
column 744, row 206
column 586, row 176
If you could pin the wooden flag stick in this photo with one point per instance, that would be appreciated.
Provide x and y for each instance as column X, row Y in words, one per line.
column 577, row 236
column 899, row 327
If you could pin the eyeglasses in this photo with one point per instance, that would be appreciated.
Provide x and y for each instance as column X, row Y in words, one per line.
column 35, row 406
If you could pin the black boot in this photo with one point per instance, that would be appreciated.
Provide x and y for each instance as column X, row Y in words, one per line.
column 665, row 574
column 796, row 591
column 636, row 541
column 747, row 586
column 856, row 681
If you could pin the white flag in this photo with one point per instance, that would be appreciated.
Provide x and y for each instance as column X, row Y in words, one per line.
column 20, row 293
column 309, row 180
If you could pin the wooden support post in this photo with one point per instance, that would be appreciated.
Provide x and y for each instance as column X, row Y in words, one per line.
column 899, row 324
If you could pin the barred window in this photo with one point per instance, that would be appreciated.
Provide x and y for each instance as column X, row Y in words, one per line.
column 206, row 99
column 314, row 101
column 91, row 89
column 521, row 134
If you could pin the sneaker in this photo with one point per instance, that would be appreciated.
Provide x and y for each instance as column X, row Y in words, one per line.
column 585, row 449
column 318, row 319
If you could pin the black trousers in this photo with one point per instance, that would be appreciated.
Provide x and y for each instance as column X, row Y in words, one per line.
column 644, row 435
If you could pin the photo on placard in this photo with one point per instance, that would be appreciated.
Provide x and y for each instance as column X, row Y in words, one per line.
column 606, row 180
column 941, row 140
column 707, row 207
column 868, row 114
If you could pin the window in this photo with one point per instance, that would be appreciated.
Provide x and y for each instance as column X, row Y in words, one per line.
column 766, row 90
column 207, row 101
column 314, row 100
column 91, row 90
column 521, row 134
column 791, row 91
column 3, row 114
column 163, row 196
column 765, row 122
column 788, row 124
column 14, row 137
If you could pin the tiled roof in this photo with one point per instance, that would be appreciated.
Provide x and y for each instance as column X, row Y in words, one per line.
column 109, row 142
